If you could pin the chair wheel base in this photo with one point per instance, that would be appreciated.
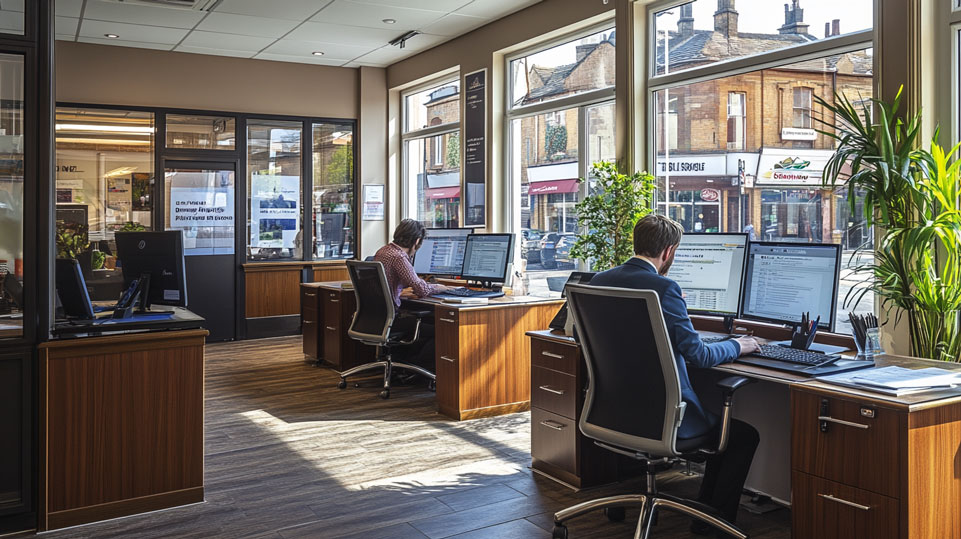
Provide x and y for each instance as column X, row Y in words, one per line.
column 559, row 532
column 342, row 384
column 615, row 514
column 385, row 394
column 432, row 385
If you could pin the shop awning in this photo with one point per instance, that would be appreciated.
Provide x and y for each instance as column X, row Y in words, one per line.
column 442, row 192
column 784, row 167
column 556, row 186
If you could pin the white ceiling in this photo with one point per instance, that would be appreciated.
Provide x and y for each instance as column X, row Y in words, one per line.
column 350, row 33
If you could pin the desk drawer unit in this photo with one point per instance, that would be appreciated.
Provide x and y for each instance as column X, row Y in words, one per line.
column 554, row 392
column 559, row 357
column 554, row 440
column 447, row 364
column 310, row 310
column 837, row 511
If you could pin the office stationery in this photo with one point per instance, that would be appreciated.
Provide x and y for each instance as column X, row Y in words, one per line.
column 897, row 381
column 468, row 300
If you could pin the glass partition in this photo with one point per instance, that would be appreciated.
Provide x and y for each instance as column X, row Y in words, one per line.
column 332, row 196
column 11, row 194
column 188, row 132
column 274, row 168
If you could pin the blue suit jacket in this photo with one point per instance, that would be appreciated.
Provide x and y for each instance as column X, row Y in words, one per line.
column 688, row 348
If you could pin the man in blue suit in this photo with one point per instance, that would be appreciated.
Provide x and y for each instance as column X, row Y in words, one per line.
column 655, row 241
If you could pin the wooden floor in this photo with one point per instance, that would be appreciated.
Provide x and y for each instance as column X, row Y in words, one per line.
column 290, row 455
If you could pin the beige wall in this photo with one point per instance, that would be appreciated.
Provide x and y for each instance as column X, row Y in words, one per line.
column 372, row 124
column 102, row 74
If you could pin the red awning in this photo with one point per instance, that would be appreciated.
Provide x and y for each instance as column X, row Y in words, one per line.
column 442, row 192
column 555, row 186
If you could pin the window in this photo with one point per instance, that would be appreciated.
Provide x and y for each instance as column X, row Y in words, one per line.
column 333, row 198
column 11, row 186
column 432, row 153
column 11, row 17
column 553, row 144
column 274, row 216
column 200, row 132
column 711, row 176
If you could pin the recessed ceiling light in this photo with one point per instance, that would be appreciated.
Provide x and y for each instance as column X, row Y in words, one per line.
column 318, row 53
column 111, row 36
column 389, row 21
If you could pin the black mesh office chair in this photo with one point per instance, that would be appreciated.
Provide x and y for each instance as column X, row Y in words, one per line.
column 633, row 404
column 374, row 323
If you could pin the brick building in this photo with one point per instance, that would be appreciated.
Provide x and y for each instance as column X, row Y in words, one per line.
column 440, row 182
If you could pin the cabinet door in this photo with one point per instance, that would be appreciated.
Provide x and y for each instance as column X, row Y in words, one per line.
column 447, row 360
column 332, row 329
column 828, row 510
column 16, row 433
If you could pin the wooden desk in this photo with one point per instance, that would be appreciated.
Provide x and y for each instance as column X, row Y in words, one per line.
column 121, row 425
column 878, row 466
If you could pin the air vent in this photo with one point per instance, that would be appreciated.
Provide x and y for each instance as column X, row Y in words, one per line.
column 190, row 5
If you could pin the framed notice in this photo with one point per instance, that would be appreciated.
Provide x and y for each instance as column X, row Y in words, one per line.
column 373, row 202
column 475, row 148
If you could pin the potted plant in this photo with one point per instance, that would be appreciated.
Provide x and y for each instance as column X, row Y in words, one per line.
column 71, row 242
column 608, row 215
column 911, row 195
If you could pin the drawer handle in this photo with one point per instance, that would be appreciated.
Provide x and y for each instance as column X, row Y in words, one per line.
column 551, row 354
column 335, row 301
column 329, row 328
column 448, row 320
column 830, row 419
column 845, row 502
column 553, row 424
column 309, row 295
column 309, row 322
column 445, row 358
column 551, row 390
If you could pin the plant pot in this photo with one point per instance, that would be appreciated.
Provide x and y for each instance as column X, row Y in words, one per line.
column 935, row 334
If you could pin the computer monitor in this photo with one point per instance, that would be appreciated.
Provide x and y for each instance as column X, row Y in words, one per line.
column 783, row 280
column 159, row 254
column 709, row 269
column 442, row 252
column 487, row 257
column 72, row 289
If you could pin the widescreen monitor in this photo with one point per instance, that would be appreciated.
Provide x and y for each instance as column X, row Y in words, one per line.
column 159, row 254
column 487, row 257
column 709, row 269
column 782, row 280
column 442, row 252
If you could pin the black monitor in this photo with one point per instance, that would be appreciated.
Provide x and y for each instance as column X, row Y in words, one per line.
column 784, row 279
column 72, row 290
column 487, row 257
column 709, row 268
column 161, row 256
column 442, row 252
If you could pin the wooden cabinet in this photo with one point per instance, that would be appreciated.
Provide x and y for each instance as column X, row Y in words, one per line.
column 558, row 383
column 326, row 314
column 310, row 305
column 17, row 449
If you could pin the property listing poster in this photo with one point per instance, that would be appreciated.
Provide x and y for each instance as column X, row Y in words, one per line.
column 274, row 211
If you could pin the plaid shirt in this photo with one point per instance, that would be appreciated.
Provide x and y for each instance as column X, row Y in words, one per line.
column 400, row 272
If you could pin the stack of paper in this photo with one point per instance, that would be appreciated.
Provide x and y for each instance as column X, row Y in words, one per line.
column 897, row 380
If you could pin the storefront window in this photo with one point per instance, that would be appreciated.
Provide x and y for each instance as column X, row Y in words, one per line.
column 332, row 199
column 200, row 132
column 11, row 193
column 274, row 164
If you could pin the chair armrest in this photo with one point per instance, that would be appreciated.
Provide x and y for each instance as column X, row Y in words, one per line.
column 728, row 385
column 731, row 384
column 416, row 314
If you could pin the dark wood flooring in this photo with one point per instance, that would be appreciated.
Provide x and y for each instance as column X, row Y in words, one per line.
column 289, row 455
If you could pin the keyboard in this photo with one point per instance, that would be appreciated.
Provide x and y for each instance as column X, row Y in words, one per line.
column 717, row 338
column 792, row 355
column 470, row 293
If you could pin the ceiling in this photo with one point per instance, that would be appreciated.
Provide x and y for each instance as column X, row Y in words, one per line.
column 349, row 33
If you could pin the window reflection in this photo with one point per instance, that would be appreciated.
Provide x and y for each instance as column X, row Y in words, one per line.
column 333, row 191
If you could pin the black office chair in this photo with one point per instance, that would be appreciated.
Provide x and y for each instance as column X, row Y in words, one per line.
column 633, row 404
column 374, row 323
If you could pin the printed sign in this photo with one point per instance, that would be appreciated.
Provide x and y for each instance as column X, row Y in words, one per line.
column 274, row 210
column 475, row 145
column 710, row 195
column 791, row 167
column 798, row 133
column 374, row 202
column 199, row 206
column 690, row 165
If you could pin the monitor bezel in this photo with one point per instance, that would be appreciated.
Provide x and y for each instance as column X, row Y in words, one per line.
column 128, row 276
column 507, row 262
column 740, row 293
column 790, row 323
column 413, row 262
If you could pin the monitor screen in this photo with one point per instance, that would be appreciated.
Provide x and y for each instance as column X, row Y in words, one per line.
column 159, row 254
column 709, row 269
column 783, row 280
column 442, row 252
column 487, row 257
column 72, row 290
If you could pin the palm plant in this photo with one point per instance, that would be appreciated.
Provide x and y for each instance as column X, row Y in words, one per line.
column 912, row 196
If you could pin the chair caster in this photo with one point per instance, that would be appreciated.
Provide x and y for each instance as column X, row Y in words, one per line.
column 615, row 514
column 385, row 394
column 432, row 385
column 342, row 384
column 559, row 532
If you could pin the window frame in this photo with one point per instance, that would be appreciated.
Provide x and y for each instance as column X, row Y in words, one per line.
column 805, row 109
column 742, row 143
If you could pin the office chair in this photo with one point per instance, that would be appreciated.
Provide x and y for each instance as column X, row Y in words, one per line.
column 633, row 405
column 374, row 323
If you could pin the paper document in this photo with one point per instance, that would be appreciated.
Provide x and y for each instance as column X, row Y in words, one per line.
column 897, row 380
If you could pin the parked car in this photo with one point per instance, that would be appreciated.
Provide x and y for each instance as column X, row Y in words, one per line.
column 549, row 250
column 562, row 250
column 531, row 245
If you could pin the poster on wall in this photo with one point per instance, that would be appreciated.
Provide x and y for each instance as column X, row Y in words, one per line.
column 475, row 146
column 373, row 202
column 274, row 211
column 201, row 206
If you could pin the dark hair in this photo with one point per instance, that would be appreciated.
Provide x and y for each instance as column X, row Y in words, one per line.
column 409, row 232
column 654, row 233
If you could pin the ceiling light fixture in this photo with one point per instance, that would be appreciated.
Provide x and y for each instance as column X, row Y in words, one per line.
column 111, row 36
column 388, row 21
column 318, row 53
column 402, row 40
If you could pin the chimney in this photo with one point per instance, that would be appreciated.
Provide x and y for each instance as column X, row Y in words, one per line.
column 836, row 27
column 685, row 25
column 827, row 30
column 725, row 18
column 583, row 50
column 794, row 19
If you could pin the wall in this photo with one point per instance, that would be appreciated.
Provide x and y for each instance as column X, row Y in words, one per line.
column 372, row 124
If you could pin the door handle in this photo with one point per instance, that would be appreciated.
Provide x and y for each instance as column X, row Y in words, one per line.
column 844, row 502
column 830, row 419
column 551, row 354
column 445, row 358
column 553, row 424
column 551, row 390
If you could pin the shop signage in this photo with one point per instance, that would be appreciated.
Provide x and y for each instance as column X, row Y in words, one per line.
column 274, row 210
column 786, row 168
column 798, row 133
column 710, row 195
column 475, row 145
column 199, row 206
column 693, row 165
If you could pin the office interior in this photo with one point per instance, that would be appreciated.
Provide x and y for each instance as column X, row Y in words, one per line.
column 286, row 139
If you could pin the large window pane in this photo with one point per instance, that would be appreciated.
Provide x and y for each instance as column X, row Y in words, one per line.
column 434, row 106
column 572, row 68
column 333, row 191
column 201, row 132
column 11, row 17
column 274, row 179
column 769, row 183
column 11, row 192
column 433, row 174
column 710, row 31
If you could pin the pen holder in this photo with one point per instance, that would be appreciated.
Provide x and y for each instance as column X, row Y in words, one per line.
column 801, row 340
